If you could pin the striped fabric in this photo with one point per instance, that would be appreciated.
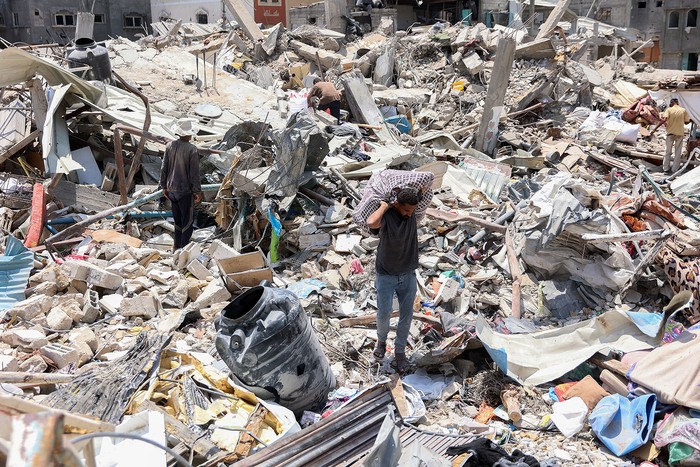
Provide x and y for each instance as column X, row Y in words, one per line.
column 15, row 267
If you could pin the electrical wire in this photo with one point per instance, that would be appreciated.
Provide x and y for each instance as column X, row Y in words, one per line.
column 180, row 460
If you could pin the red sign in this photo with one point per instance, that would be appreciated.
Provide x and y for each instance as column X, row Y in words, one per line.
column 270, row 15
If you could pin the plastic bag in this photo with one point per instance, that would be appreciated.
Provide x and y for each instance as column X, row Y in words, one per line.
column 623, row 425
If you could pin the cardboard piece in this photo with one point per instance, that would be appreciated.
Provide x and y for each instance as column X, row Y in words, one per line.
column 246, row 270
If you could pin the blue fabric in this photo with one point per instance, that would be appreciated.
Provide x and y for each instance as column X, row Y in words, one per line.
column 648, row 323
column 623, row 425
column 405, row 288
column 15, row 267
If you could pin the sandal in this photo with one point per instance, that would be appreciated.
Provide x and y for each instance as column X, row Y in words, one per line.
column 402, row 363
column 379, row 350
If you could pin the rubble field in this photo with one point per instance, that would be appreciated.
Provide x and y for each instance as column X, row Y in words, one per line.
column 559, row 282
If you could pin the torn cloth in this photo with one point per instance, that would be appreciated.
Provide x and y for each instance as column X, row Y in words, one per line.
column 385, row 185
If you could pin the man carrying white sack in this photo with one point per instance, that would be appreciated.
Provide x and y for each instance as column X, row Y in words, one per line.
column 393, row 204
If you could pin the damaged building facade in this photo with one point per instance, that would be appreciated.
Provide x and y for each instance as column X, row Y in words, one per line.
column 54, row 21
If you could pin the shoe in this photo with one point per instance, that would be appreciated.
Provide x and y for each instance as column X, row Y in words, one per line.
column 402, row 364
column 379, row 350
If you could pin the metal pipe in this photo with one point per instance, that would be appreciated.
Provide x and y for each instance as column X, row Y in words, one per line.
column 482, row 233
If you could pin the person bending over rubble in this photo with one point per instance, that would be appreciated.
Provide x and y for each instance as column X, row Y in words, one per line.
column 396, row 222
column 675, row 117
column 180, row 181
column 328, row 97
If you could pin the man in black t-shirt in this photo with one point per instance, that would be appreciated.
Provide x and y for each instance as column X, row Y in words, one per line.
column 397, row 260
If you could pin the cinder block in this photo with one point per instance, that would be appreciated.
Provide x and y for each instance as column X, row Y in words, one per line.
column 219, row 250
column 91, row 307
column 83, row 334
column 93, row 275
column 61, row 355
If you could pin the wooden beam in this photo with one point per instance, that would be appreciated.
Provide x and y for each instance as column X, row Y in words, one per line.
column 610, row 364
column 515, row 273
column 553, row 19
column 397, row 393
column 625, row 237
column 77, row 421
column 20, row 145
column 459, row 217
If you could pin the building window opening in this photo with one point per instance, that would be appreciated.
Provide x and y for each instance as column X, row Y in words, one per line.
column 2, row 20
column 64, row 19
column 15, row 19
column 641, row 4
column 202, row 18
column 674, row 20
column 659, row 3
column 692, row 19
column 133, row 21
column 99, row 18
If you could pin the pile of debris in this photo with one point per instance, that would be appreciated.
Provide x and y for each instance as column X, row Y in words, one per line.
column 558, row 286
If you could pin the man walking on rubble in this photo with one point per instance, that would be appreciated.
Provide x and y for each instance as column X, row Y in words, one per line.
column 328, row 97
column 180, row 181
column 675, row 117
column 392, row 205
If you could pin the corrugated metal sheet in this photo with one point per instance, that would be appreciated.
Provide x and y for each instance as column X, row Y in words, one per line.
column 346, row 437
column 15, row 267
column 489, row 176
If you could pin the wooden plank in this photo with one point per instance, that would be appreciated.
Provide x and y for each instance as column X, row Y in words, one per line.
column 71, row 420
column 240, row 263
column 397, row 393
column 201, row 445
column 610, row 364
column 515, row 273
column 371, row 318
column 110, row 236
column 453, row 216
column 38, row 216
column 625, row 237
column 38, row 379
column 20, row 145
column 235, row 281
column 553, row 19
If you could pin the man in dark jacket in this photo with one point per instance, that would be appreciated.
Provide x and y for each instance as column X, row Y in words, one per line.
column 180, row 181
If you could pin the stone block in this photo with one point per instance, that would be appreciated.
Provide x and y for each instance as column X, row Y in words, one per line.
column 85, row 354
column 60, row 300
column 52, row 274
column 310, row 269
column 177, row 297
column 46, row 288
column 143, row 305
column 61, row 355
column 34, row 364
column 29, row 338
column 215, row 292
column 94, row 275
column 183, row 256
column 370, row 243
column 8, row 363
column 32, row 307
column 73, row 310
column 219, row 250
column 198, row 270
column 59, row 320
column 111, row 303
column 83, row 334
column 315, row 240
column 307, row 228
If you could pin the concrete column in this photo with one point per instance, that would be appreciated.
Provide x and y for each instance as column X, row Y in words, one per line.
column 487, row 135
column 85, row 25
column 335, row 9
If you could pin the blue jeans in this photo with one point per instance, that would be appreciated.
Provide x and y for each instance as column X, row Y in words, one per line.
column 404, row 286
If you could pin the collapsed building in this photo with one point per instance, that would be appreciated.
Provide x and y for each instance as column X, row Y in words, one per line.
column 558, row 286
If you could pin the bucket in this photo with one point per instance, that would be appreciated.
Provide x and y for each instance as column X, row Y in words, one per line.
column 266, row 340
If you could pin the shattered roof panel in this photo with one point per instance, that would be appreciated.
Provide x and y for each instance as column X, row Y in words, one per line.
column 191, row 30
column 18, row 66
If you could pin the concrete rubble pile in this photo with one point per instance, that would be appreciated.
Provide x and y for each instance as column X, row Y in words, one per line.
column 559, row 279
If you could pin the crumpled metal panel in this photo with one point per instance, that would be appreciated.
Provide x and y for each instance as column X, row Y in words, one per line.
column 489, row 176
column 15, row 267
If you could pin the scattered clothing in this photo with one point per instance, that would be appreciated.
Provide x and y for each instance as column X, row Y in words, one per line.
column 487, row 453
